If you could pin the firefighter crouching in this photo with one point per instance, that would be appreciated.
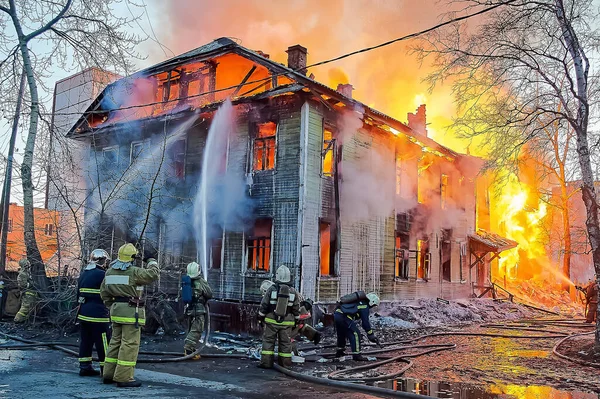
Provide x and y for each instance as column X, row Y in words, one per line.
column 302, row 328
column 350, row 308
column 29, row 296
column 122, row 291
column 93, row 315
column 196, row 309
column 280, row 312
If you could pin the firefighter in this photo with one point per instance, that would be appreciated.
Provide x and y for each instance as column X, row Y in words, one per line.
column 279, row 312
column 349, row 309
column 93, row 315
column 302, row 328
column 121, row 292
column 29, row 297
column 196, row 311
column 591, row 298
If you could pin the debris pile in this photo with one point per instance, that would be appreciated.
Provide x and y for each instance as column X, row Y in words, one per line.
column 541, row 294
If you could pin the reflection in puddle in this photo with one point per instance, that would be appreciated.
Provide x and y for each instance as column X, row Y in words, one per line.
column 459, row 390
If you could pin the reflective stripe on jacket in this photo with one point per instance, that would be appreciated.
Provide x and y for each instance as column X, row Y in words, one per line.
column 269, row 301
column 355, row 311
column 92, row 309
column 127, row 283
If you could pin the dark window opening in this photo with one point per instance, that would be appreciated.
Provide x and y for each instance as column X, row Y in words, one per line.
column 401, row 255
column 110, row 156
column 328, row 154
column 423, row 259
column 258, row 245
column 328, row 246
column 264, row 147
column 9, row 228
column 215, row 253
column 49, row 229
column 446, row 254
column 177, row 159
column 136, row 151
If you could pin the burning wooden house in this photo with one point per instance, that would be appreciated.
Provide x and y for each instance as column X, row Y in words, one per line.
column 348, row 197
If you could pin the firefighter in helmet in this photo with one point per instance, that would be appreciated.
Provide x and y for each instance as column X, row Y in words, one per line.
column 279, row 312
column 121, row 292
column 302, row 328
column 351, row 308
column 93, row 315
column 196, row 311
column 591, row 298
column 29, row 296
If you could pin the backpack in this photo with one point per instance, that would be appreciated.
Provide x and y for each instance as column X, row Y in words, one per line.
column 187, row 293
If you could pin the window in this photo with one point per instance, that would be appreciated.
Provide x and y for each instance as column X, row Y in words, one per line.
column 137, row 149
column 49, row 229
column 264, row 147
column 110, row 156
column 446, row 254
column 328, row 154
column 258, row 245
column 423, row 259
column 9, row 227
column 328, row 246
column 444, row 191
column 401, row 255
column 215, row 253
column 177, row 159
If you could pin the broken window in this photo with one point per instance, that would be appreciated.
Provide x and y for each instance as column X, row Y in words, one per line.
column 216, row 248
column 423, row 259
column 258, row 245
column 177, row 159
column 444, row 191
column 327, row 245
column 264, row 147
column 446, row 254
column 401, row 255
column 168, row 89
column 49, row 229
column 328, row 153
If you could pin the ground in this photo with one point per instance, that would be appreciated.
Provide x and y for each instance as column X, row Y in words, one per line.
column 478, row 368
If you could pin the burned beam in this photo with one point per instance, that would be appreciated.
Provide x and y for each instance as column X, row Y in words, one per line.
column 250, row 72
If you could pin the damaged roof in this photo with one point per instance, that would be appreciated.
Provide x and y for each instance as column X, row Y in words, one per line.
column 225, row 45
column 493, row 241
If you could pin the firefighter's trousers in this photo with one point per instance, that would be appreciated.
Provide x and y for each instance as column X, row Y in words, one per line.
column 346, row 328
column 28, row 302
column 591, row 312
column 195, row 333
column 281, row 334
column 122, row 352
column 93, row 334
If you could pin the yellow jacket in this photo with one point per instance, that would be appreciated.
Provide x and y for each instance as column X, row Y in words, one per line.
column 120, row 285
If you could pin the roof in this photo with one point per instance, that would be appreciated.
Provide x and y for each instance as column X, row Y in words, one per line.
column 493, row 241
column 225, row 45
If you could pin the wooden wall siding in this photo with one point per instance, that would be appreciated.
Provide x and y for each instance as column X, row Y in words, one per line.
column 313, row 120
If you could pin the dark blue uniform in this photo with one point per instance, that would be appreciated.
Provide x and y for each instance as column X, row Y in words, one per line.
column 346, row 317
column 93, row 317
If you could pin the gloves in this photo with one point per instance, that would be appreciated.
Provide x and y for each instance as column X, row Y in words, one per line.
column 261, row 320
column 152, row 262
column 375, row 340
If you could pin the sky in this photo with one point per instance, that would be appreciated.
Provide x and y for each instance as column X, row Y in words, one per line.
column 389, row 79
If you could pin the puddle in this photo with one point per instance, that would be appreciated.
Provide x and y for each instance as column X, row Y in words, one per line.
column 459, row 390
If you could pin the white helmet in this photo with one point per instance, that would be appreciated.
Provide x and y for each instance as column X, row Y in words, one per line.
column 283, row 274
column 373, row 299
column 265, row 286
column 99, row 257
column 193, row 270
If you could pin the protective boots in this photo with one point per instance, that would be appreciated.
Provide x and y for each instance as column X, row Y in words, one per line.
column 88, row 372
column 187, row 352
column 129, row 384
column 359, row 358
column 340, row 353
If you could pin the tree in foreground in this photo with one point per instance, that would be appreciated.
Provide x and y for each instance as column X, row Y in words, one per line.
column 519, row 72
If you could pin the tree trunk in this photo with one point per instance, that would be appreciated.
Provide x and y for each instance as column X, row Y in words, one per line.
column 566, row 219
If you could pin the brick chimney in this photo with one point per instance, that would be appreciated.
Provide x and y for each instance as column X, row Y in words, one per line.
column 297, row 58
column 345, row 89
column 418, row 121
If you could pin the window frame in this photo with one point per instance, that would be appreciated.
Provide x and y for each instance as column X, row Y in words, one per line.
column 331, row 147
column 426, row 260
column 49, row 229
column 108, row 149
column 401, row 253
column 212, row 248
column 333, row 270
column 172, row 159
column 141, row 143
column 255, row 139
column 9, row 225
column 248, row 248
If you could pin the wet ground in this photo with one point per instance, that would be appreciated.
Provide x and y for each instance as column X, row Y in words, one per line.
column 479, row 368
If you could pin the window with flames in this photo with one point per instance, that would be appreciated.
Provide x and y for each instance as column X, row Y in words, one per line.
column 264, row 146
column 327, row 247
column 328, row 154
column 258, row 245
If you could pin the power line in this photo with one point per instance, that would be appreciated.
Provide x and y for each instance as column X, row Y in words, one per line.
column 262, row 80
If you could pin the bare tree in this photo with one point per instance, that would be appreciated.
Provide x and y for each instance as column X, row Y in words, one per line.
column 510, row 72
column 74, row 33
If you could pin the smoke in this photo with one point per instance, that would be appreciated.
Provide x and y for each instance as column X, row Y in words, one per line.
column 222, row 201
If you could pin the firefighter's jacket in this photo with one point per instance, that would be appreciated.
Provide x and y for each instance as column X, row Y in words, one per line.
column 201, row 294
column 358, row 311
column 23, row 280
column 91, row 307
column 269, row 302
column 591, row 292
column 121, row 285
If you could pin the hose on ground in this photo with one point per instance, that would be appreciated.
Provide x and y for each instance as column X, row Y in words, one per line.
column 348, row 386
column 565, row 357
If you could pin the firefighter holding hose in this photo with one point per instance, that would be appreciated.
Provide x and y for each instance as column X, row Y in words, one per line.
column 279, row 312
column 591, row 300
column 349, row 309
column 199, row 292
column 93, row 316
column 121, row 292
